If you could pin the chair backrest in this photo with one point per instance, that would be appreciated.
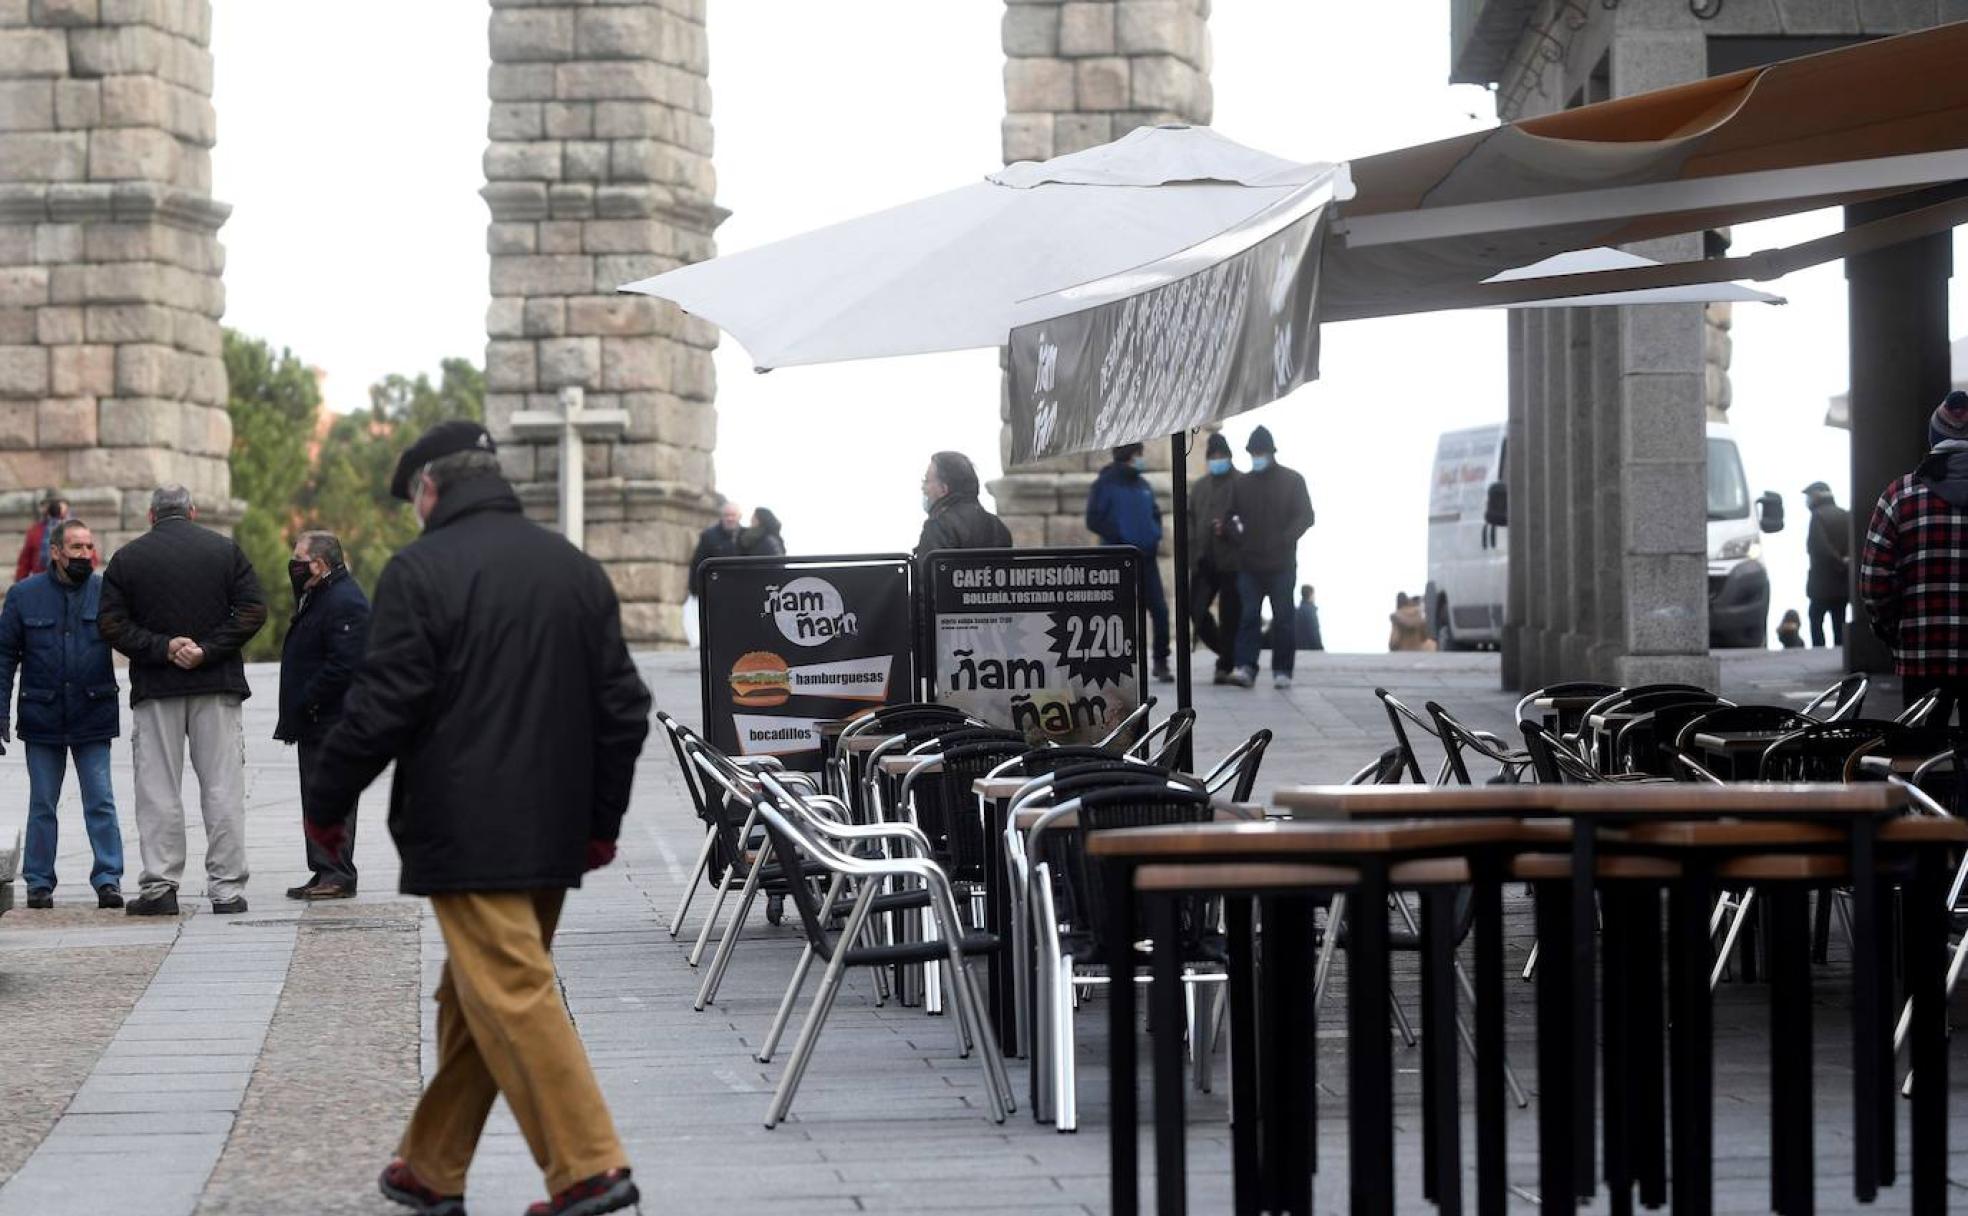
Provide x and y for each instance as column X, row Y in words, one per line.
column 1457, row 738
column 1608, row 746
column 1236, row 773
column 1127, row 729
column 1647, row 743
column 1039, row 760
column 1527, row 709
column 1819, row 753
column 1163, row 741
column 1922, row 709
column 947, row 811
column 1843, row 700
column 1921, row 745
column 1079, row 887
column 1385, row 770
column 796, row 850
column 1400, row 717
column 1553, row 761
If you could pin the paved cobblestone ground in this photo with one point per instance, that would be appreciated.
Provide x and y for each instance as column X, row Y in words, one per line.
column 266, row 1062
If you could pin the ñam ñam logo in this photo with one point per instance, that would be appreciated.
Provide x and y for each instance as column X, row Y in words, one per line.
column 810, row 612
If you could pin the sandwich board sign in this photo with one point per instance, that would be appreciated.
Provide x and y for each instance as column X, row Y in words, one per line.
column 1047, row 641
column 787, row 642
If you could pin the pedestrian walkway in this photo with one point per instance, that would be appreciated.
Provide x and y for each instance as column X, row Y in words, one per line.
column 251, row 1064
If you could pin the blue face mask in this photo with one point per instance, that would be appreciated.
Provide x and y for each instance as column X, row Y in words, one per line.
column 928, row 502
column 1138, row 463
column 1260, row 463
column 1219, row 466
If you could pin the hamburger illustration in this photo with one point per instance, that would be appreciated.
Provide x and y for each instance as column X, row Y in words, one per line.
column 759, row 680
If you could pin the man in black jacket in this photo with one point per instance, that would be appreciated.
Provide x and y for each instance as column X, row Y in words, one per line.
column 317, row 661
column 497, row 680
column 721, row 539
column 1269, row 510
column 182, row 601
column 956, row 519
column 1828, row 544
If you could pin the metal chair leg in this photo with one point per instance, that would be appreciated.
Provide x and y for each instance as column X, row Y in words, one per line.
column 1517, row 1094
column 1202, row 1034
column 1531, row 963
column 696, row 877
column 728, row 943
column 1328, row 946
column 1743, row 908
column 1065, row 1095
column 1400, row 1016
column 704, row 932
column 785, row 1013
column 816, row 1017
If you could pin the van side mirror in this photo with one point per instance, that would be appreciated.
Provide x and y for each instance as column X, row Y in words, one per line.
column 1769, row 512
column 1496, row 508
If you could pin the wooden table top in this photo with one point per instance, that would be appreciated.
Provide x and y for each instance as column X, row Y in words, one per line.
column 1276, row 839
column 902, row 766
column 1569, row 701
column 866, row 742
column 1612, row 799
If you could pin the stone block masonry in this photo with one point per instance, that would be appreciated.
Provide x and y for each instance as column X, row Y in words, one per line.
column 111, row 379
column 1078, row 74
column 599, row 173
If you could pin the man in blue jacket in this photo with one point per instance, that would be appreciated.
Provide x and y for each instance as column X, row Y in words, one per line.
column 67, row 706
column 1121, row 510
column 317, row 661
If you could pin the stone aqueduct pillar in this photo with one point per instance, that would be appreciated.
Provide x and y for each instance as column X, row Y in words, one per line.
column 111, row 380
column 1078, row 74
column 599, row 173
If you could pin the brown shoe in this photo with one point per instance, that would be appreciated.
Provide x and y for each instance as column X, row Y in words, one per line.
column 610, row 1192
column 401, row 1184
column 328, row 890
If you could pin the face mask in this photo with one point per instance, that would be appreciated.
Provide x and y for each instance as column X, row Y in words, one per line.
column 79, row 569
column 1138, row 463
column 1260, row 463
column 1219, row 466
column 928, row 502
column 299, row 574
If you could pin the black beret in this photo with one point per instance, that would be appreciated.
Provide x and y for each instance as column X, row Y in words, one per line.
column 444, row 439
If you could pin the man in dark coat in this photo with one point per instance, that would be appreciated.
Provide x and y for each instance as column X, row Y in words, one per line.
column 497, row 680
column 67, row 707
column 721, row 539
column 956, row 519
column 1213, row 559
column 1121, row 510
column 182, row 601
column 317, row 661
column 1828, row 543
column 1269, row 510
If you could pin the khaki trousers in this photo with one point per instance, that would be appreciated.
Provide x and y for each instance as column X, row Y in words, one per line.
column 502, row 1029
column 159, row 730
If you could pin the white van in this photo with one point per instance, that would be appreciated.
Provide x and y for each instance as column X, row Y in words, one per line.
column 1468, row 566
column 1469, row 561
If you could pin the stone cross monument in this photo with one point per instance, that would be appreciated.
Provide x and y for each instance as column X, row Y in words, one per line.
column 111, row 380
column 571, row 426
column 1079, row 74
column 599, row 173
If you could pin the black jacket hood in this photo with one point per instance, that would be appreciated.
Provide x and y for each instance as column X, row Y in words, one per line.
column 1945, row 472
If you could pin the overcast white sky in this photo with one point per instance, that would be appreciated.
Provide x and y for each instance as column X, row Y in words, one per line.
column 352, row 162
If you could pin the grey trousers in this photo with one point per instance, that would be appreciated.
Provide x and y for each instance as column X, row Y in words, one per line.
column 159, row 732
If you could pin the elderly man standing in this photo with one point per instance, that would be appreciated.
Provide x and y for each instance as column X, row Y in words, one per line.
column 497, row 680
column 721, row 539
column 181, row 601
column 67, row 707
column 318, row 659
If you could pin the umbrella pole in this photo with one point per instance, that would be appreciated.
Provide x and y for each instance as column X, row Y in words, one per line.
column 1179, row 491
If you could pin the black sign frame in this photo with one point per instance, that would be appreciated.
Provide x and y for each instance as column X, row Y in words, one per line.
column 732, row 622
column 942, row 563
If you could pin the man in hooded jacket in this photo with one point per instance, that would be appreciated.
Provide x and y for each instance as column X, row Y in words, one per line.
column 1121, row 510
column 1270, row 509
column 1916, row 559
column 497, row 679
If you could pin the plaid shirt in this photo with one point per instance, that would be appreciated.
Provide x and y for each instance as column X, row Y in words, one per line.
column 1913, row 578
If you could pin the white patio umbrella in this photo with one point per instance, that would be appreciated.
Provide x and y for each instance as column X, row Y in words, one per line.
column 1174, row 277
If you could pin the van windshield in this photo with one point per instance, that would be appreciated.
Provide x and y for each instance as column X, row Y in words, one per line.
column 1728, row 490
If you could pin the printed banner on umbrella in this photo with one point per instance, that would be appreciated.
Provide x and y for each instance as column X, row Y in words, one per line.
column 1047, row 641
column 789, row 641
column 1234, row 335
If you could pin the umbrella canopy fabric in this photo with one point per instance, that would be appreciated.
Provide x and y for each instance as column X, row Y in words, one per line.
column 1599, row 261
column 947, row 272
